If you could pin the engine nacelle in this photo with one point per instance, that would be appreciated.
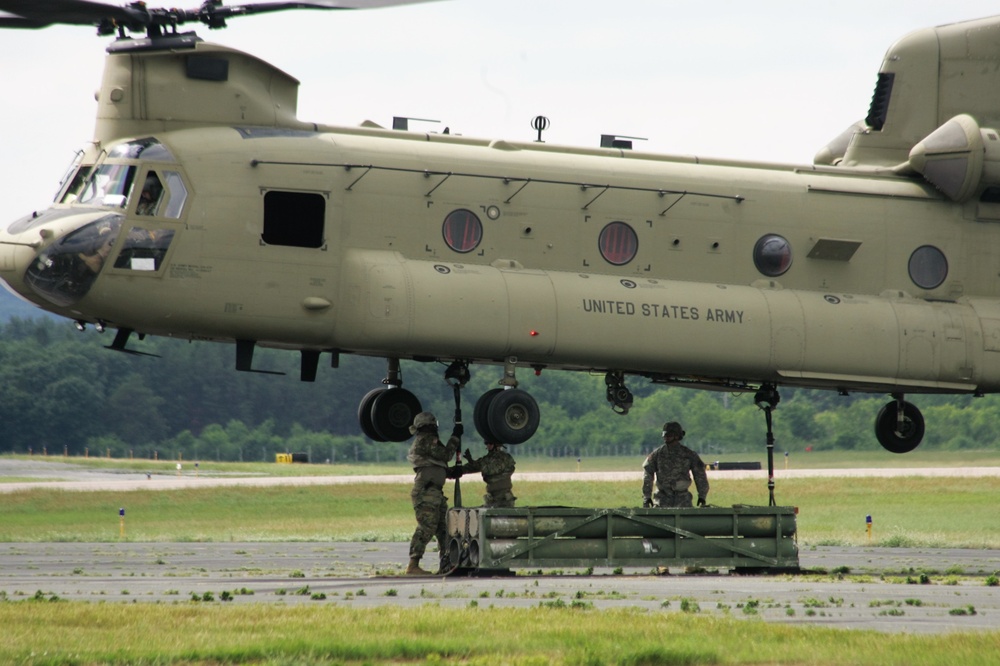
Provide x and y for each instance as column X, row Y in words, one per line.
column 959, row 158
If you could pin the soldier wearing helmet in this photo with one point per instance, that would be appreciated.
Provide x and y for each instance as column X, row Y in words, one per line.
column 496, row 466
column 429, row 458
column 673, row 465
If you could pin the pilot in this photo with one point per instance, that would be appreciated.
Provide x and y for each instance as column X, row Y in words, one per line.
column 673, row 465
column 149, row 198
column 429, row 458
column 496, row 466
column 95, row 259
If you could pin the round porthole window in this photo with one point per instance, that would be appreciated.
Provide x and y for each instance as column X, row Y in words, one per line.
column 772, row 255
column 618, row 243
column 928, row 267
column 462, row 230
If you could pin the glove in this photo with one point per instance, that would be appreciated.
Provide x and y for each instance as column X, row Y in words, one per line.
column 701, row 501
column 468, row 456
column 453, row 472
column 458, row 431
column 647, row 503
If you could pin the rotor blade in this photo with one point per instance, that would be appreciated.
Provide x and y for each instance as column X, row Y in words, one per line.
column 43, row 13
column 337, row 4
column 260, row 7
column 137, row 16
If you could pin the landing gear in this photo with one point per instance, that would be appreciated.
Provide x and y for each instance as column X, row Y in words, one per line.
column 507, row 415
column 618, row 394
column 899, row 426
column 504, row 415
column 385, row 414
column 511, row 417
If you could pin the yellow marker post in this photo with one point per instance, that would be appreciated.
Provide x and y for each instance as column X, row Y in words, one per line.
column 121, row 522
column 868, row 526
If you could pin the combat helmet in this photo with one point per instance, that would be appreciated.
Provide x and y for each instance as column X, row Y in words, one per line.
column 422, row 419
column 673, row 428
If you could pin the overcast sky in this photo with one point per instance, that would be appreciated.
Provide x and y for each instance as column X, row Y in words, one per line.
column 770, row 80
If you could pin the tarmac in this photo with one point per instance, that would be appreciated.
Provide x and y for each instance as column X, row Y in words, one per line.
column 893, row 590
column 877, row 589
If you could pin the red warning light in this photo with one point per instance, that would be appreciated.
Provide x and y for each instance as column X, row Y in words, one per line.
column 534, row 333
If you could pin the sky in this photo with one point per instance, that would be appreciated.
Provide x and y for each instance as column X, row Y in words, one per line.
column 771, row 80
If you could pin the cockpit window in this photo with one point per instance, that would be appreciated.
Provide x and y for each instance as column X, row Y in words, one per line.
column 69, row 191
column 144, row 249
column 147, row 149
column 73, row 179
column 163, row 194
column 178, row 195
column 109, row 185
column 64, row 272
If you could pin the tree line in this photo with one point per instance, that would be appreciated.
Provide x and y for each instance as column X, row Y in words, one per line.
column 62, row 392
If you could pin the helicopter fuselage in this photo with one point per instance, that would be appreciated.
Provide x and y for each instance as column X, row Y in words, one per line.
column 348, row 241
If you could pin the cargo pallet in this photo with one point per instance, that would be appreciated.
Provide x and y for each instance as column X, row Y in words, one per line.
column 743, row 539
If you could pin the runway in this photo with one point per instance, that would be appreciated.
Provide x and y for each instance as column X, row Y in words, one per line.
column 67, row 476
column 851, row 588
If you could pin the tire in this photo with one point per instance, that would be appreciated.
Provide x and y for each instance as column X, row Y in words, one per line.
column 479, row 415
column 887, row 428
column 392, row 414
column 513, row 416
column 365, row 414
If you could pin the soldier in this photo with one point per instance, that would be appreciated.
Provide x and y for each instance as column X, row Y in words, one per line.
column 496, row 466
column 673, row 464
column 429, row 458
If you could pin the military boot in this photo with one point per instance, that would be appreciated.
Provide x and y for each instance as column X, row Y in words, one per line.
column 413, row 568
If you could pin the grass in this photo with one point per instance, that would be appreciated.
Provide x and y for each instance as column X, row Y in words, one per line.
column 906, row 511
column 79, row 633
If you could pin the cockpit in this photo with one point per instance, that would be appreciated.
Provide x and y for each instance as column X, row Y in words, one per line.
column 123, row 210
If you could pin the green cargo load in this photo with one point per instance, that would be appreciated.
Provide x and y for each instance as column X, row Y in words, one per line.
column 739, row 538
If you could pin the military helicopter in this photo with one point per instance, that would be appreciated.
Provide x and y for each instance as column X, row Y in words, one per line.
column 205, row 209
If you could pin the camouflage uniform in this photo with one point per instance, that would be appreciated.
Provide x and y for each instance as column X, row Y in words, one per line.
column 673, row 464
column 496, row 466
column 429, row 458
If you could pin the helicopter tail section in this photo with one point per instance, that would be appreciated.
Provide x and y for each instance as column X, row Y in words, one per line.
column 933, row 111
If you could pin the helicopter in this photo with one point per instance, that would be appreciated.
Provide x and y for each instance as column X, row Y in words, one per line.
column 204, row 209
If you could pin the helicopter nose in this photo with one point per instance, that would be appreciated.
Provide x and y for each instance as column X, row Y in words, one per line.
column 57, row 254
column 14, row 261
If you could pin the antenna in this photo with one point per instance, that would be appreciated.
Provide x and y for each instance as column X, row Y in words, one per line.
column 539, row 123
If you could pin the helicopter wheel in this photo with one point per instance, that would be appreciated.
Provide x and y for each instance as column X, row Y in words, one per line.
column 479, row 415
column 365, row 414
column 898, row 436
column 513, row 416
column 392, row 413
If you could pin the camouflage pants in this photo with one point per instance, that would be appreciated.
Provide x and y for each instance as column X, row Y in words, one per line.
column 677, row 498
column 430, row 507
column 501, row 500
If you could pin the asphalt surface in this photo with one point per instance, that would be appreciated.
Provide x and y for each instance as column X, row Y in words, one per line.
column 915, row 590
column 882, row 591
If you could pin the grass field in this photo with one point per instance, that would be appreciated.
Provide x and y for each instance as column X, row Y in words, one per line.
column 76, row 633
column 906, row 511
